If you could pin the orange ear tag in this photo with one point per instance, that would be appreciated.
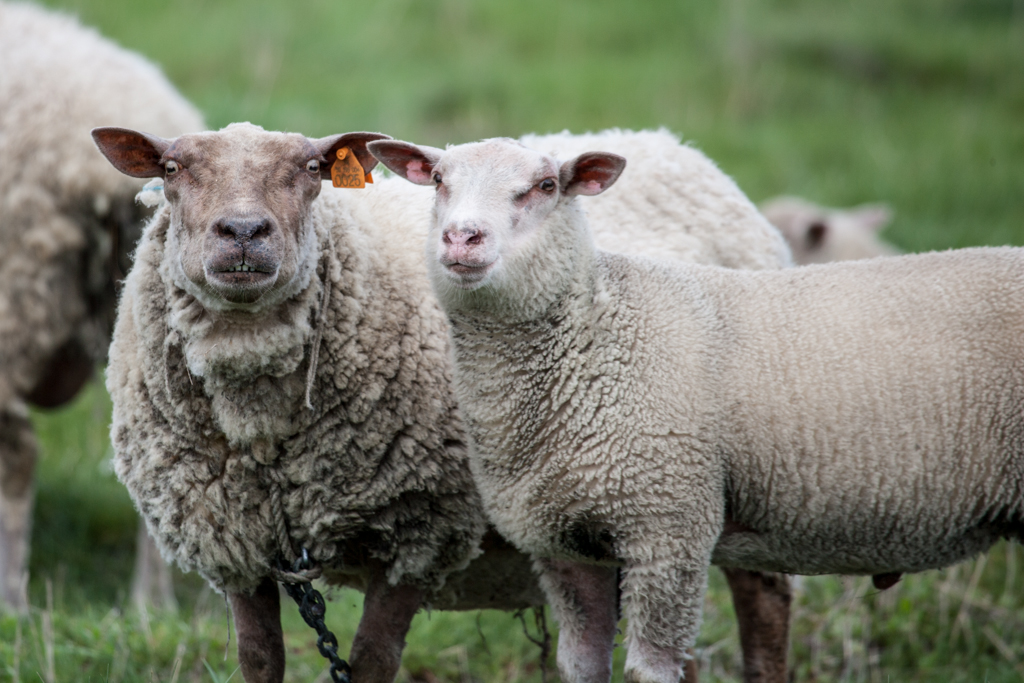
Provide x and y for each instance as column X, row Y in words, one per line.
column 346, row 171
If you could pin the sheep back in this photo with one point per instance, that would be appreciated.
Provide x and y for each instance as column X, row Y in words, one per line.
column 672, row 201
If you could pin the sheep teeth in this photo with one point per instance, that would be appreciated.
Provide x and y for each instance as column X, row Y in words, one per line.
column 241, row 269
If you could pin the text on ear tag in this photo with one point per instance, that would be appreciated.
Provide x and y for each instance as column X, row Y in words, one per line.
column 346, row 170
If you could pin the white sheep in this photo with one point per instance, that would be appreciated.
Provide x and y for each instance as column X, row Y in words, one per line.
column 280, row 379
column 67, row 223
column 671, row 202
column 864, row 417
column 818, row 234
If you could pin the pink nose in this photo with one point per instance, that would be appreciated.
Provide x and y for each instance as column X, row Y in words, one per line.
column 457, row 238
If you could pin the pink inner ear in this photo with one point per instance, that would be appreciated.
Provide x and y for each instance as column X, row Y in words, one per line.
column 415, row 172
column 591, row 187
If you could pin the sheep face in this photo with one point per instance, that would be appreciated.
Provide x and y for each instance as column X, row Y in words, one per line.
column 496, row 223
column 818, row 235
column 240, row 203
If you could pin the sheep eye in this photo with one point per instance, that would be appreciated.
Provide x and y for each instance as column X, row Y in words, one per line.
column 171, row 167
column 313, row 166
column 437, row 178
column 548, row 184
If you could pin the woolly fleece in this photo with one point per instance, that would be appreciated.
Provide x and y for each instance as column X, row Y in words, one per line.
column 58, row 195
column 672, row 201
column 858, row 418
column 67, row 223
column 208, row 417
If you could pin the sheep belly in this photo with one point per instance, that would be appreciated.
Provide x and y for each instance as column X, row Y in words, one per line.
column 830, row 550
column 889, row 438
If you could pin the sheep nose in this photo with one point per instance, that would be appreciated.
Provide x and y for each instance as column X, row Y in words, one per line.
column 462, row 236
column 242, row 229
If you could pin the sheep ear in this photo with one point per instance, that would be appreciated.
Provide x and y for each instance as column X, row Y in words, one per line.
column 132, row 153
column 590, row 173
column 871, row 217
column 356, row 142
column 412, row 162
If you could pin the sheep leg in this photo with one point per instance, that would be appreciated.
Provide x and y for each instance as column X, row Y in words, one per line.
column 260, row 638
column 584, row 599
column 387, row 614
column 762, row 603
column 152, row 583
column 17, row 465
column 663, row 605
column 690, row 670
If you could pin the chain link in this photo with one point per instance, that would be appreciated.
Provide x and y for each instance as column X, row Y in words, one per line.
column 312, row 608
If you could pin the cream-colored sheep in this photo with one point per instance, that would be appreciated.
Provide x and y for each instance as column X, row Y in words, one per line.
column 862, row 417
column 818, row 234
column 67, row 223
column 672, row 201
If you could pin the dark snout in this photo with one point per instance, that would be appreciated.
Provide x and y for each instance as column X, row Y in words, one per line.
column 242, row 256
column 243, row 230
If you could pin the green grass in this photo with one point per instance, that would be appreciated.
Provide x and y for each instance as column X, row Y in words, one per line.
column 916, row 102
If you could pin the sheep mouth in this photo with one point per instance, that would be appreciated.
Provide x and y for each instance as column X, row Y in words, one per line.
column 468, row 276
column 241, row 284
column 241, row 273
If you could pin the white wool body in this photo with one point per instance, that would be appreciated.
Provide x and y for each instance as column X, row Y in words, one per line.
column 861, row 417
column 672, row 201
column 58, row 80
column 662, row 403
column 68, row 222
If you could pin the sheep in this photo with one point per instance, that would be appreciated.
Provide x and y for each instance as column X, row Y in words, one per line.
column 675, row 201
column 817, row 234
column 863, row 417
column 67, row 224
column 280, row 383
column 258, row 412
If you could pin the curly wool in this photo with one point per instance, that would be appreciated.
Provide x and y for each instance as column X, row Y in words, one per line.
column 59, row 198
column 666, row 401
column 375, row 472
column 672, row 201
column 209, row 415
column 860, row 417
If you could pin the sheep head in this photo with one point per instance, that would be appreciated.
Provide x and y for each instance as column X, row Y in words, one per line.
column 817, row 234
column 240, row 202
column 496, row 224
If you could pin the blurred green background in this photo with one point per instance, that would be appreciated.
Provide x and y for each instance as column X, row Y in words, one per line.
column 919, row 103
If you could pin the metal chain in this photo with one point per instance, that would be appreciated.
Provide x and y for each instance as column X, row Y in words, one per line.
column 312, row 608
column 543, row 641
